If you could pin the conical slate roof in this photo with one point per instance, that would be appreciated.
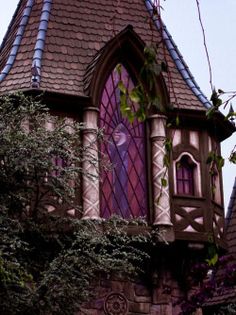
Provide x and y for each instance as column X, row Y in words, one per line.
column 50, row 44
column 231, row 223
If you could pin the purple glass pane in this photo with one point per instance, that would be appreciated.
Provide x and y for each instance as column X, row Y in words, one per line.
column 184, row 174
column 123, row 185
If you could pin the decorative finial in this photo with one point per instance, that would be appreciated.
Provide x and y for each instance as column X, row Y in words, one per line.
column 35, row 76
column 231, row 114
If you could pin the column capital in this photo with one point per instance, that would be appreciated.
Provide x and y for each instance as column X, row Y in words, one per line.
column 158, row 126
column 91, row 108
column 90, row 118
column 157, row 116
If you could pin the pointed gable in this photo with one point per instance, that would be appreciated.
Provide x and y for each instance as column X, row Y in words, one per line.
column 231, row 223
column 62, row 39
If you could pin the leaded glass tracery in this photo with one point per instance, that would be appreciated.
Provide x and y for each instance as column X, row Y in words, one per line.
column 123, row 186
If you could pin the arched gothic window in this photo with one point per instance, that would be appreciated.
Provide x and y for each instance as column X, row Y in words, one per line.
column 123, row 184
column 185, row 176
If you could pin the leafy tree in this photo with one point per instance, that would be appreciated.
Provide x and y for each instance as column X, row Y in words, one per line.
column 48, row 262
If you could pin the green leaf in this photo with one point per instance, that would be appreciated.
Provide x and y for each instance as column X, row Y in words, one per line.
column 232, row 157
column 168, row 145
column 177, row 122
column 166, row 160
column 213, row 260
column 210, row 112
column 134, row 95
column 216, row 101
column 220, row 162
column 163, row 182
column 156, row 69
column 164, row 66
column 122, row 87
column 150, row 54
column 156, row 102
column 118, row 68
column 209, row 158
column 123, row 101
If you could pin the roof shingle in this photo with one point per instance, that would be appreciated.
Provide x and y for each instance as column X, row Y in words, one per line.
column 64, row 38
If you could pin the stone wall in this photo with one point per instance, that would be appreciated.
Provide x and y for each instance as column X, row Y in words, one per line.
column 116, row 297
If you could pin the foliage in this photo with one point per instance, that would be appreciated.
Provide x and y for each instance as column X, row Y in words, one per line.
column 226, row 310
column 95, row 250
column 232, row 157
column 215, row 160
column 144, row 92
column 217, row 104
column 13, row 273
column 48, row 263
column 28, row 171
column 211, row 277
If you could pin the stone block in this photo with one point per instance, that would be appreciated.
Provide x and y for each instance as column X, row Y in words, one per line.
column 155, row 310
column 142, row 299
column 129, row 291
column 139, row 307
column 88, row 312
column 105, row 283
column 166, row 309
column 160, row 297
column 99, row 304
column 117, row 286
column 141, row 290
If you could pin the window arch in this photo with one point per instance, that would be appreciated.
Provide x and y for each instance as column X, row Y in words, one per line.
column 123, row 184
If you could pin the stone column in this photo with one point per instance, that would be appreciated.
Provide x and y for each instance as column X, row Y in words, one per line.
column 91, row 207
column 159, row 172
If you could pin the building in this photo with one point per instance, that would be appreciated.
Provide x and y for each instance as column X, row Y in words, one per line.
column 226, row 298
column 70, row 51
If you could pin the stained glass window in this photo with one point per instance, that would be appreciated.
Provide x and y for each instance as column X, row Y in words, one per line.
column 184, row 174
column 123, row 184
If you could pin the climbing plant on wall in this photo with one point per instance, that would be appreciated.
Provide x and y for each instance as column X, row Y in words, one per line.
column 48, row 261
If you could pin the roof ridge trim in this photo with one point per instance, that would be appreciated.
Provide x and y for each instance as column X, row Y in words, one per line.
column 178, row 58
column 16, row 44
column 40, row 43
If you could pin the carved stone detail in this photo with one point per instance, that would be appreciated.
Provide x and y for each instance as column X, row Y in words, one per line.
column 91, row 205
column 116, row 304
column 159, row 171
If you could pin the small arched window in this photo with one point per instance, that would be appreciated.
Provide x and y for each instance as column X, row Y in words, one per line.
column 123, row 183
column 185, row 176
